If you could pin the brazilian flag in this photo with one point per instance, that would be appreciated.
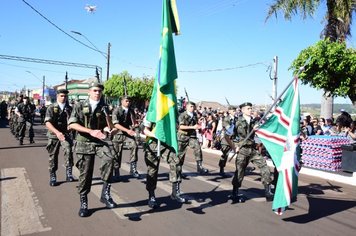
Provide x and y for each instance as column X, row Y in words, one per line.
column 163, row 104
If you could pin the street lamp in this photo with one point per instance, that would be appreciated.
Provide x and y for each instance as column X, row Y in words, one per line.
column 105, row 55
column 43, row 84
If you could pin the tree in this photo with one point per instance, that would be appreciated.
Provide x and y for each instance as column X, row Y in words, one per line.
column 338, row 22
column 331, row 67
column 139, row 89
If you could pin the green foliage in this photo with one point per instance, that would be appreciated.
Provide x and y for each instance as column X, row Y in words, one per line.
column 331, row 66
column 137, row 88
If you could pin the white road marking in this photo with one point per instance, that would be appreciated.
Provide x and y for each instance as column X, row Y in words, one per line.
column 21, row 213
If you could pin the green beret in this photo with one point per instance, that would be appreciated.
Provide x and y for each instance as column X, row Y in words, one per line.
column 245, row 104
column 65, row 91
column 126, row 97
column 191, row 103
column 96, row 84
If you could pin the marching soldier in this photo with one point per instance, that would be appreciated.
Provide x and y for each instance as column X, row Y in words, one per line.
column 124, row 120
column 227, row 137
column 56, row 121
column 24, row 112
column 246, row 153
column 90, row 120
column 16, row 124
column 187, row 136
column 152, row 161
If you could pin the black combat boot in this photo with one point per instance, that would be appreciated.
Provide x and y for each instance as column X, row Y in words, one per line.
column 20, row 141
column 268, row 193
column 106, row 197
column 52, row 179
column 235, row 196
column 133, row 170
column 176, row 195
column 201, row 169
column 69, row 174
column 222, row 172
column 152, row 203
column 116, row 175
column 31, row 140
column 83, row 211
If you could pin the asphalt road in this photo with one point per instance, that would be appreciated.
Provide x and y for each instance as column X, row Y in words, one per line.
column 29, row 206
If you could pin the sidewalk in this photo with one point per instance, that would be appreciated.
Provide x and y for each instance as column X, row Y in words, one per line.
column 342, row 177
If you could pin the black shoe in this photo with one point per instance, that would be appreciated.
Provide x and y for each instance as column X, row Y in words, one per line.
column 222, row 173
column 20, row 142
column 32, row 141
column 200, row 169
column 152, row 203
column 236, row 197
column 176, row 194
column 268, row 193
column 133, row 170
column 52, row 179
column 106, row 197
column 69, row 175
column 83, row 211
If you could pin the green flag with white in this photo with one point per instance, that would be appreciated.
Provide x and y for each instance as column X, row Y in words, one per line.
column 280, row 135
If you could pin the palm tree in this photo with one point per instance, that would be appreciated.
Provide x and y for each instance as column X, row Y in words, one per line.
column 338, row 19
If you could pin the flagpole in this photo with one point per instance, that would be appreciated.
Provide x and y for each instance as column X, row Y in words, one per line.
column 273, row 105
column 158, row 148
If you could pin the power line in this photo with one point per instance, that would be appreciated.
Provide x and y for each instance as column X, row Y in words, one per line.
column 49, row 21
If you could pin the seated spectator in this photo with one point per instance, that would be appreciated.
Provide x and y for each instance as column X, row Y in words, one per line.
column 351, row 132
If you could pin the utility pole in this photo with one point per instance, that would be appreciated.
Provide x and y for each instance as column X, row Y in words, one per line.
column 274, row 87
column 66, row 81
column 108, row 62
column 43, row 88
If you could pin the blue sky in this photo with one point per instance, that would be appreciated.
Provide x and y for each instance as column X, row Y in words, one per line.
column 215, row 34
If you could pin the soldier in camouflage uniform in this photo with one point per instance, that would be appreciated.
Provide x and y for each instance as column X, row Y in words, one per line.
column 12, row 116
column 246, row 152
column 16, row 125
column 152, row 161
column 123, row 118
column 56, row 121
column 187, row 136
column 24, row 112
column 90, row 120
column 227, row 139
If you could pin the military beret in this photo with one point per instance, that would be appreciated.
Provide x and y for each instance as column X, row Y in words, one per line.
column 125, row 97
column 191, row 103
column 96, row 84
column 65, row 91
column 245, row 104
column 231, row 108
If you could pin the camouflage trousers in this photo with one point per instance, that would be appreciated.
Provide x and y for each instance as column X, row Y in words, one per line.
column 118, row 144
column 183, row 142
column 243, row 158
column 22, row 129
column 86, row 153
column 53, row 147
column 152, row 162
column 225, row 149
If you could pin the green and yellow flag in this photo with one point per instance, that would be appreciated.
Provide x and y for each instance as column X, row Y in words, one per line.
column 163, row 105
